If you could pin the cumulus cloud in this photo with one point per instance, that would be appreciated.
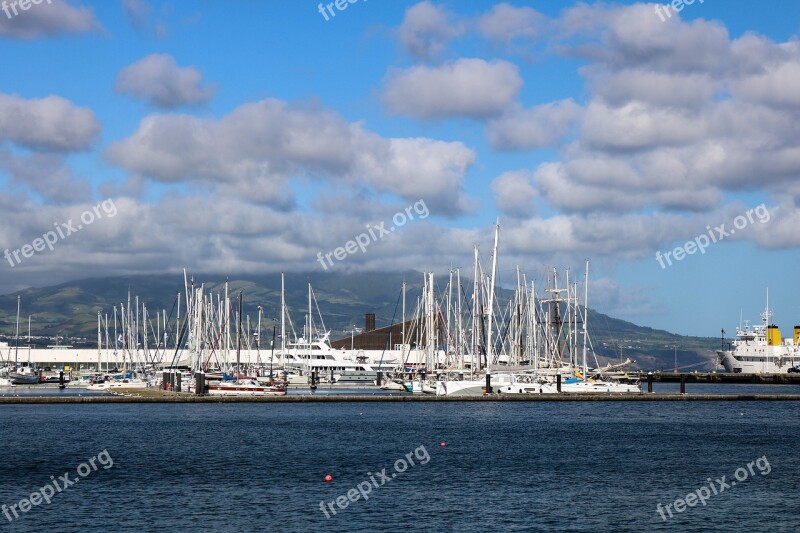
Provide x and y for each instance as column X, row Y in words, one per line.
column 505, row 23
column 45, row 174
column 426, row 29
column 46, row 20
column 159, row 80
column 466, row 88
column 253, row 150
column 534, row 128
column 677, row 115
column 51, row 123
column 514, row 193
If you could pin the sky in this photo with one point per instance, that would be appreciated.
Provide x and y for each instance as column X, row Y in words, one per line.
column 247, row 136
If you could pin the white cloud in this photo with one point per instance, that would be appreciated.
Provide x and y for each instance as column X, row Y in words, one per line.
column 426, row 29
column 159, row 80
column 534, row 128
column 51, row 123
column 466, row 88
column 46, row 20
column 514, row 193
column 252, row 151
column 505, row 23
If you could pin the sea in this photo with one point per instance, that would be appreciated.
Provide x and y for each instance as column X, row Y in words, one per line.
column 461, row 467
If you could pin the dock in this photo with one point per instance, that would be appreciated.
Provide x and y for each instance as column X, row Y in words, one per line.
column 153, row 396
column 716, row 377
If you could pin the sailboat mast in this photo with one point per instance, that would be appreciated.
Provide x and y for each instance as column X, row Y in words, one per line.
column 99, row 344
column 239, row 335
column 283, row 320
column 489, row 347
column 403, row 354
column 459, row 340
column 16, row 336
column 449, row 325
column 585, row 317
column 474, row 314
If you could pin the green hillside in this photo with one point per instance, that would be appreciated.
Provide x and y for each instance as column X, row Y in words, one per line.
column 70, row 310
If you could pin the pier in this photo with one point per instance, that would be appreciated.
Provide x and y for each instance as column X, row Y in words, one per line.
column 716, row 377
column 153, row 396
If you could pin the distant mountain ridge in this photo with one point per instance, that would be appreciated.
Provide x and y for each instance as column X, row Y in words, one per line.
column 70, row 309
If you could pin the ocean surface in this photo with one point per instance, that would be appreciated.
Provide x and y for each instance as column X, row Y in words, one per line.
column 560, row 466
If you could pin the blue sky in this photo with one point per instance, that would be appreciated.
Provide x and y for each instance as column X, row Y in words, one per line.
column 249, row 136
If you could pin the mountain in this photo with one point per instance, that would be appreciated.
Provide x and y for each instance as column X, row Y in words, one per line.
column 69, row 310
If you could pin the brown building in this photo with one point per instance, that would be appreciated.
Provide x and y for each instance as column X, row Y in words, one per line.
column 390, row 337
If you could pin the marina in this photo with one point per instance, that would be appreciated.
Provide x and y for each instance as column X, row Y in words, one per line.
column 424, row 266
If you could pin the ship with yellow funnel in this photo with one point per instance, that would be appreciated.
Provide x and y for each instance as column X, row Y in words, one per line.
column 760, row 349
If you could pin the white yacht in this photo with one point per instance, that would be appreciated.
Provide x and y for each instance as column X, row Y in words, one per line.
column 246, row 387
column 318, row 356
column 116, row 384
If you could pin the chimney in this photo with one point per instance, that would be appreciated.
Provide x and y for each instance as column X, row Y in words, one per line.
column 369, row 322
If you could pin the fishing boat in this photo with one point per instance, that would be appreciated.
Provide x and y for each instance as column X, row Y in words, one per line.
column 760, row 348
column 246, row 387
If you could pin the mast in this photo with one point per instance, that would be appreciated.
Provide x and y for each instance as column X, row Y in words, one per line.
column 227, row 323
column 449, row 326
column 458, row 320
column 474, row 315
column 585, row 318
column 239, row 335
column 99, row 344
column 283, row 321
column 16, row 336
column 403, row 351
column 116, row 339
column 490, row 347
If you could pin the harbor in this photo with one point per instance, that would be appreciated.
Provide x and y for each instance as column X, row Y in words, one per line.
column 665, row 388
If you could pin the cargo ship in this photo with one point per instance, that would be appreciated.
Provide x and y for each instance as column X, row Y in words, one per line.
column 760, row 349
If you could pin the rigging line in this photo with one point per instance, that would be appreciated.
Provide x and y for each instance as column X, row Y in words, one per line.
column 391, row 324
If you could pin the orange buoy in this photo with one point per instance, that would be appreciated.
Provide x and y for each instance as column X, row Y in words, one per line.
column 328, row 477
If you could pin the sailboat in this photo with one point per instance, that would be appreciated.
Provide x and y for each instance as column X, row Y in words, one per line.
column 578, row 381
column 477, row 385
column 22, row 375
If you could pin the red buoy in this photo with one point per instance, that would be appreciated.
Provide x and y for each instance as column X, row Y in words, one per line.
column 443, row 444
column 328, row 477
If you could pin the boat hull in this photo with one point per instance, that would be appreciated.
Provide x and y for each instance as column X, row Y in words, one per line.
column 762, row 365
column 461, row 388
column 245, row 389
column 23, row 379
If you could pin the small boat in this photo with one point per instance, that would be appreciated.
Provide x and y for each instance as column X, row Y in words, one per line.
column 113, row 384
column 23, row 375
column 393, row 385
column 246, row 387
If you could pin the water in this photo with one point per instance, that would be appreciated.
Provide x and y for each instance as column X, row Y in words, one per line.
column 560, row 466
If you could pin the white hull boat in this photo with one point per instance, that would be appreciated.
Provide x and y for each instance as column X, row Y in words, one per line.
column 116, row 384
column 250, row 387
